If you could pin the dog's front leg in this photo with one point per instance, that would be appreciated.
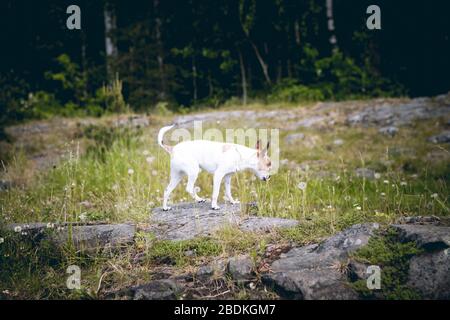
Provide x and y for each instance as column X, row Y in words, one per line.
column 218, row 175
column 228, row 196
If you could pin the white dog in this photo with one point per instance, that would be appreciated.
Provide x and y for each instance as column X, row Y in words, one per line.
column 220, row 159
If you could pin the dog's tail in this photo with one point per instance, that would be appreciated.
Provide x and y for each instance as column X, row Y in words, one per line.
column 161, row 133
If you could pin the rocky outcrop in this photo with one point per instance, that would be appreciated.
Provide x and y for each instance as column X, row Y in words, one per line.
column 365, row 173
column 429, row 274
column 443, row 137
column 189, row 220
column 314, row 271
column 83, row 237
column 395, row 114
column 388, row 131
column 428, row 237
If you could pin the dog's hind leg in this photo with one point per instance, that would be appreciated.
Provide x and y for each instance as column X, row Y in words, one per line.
column 228, row 196
column 218, row 175
column 190, row 187
column 175, row 178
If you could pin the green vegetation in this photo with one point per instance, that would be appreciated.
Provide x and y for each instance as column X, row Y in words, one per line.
column 393, row 258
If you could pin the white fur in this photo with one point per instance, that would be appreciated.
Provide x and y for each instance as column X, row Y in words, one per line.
column 220, row 159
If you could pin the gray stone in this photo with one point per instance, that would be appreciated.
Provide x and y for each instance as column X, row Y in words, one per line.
column 429, row 274
column 443, row 137
column 357, row 270
column 189, row 220
column 291, row 138
column 395, row 114
column 133, row 121
column 365, row 173
column 338, row 142
column 314, row 271
column 156, row 290
column 388, row 131
column 5, row 185
column 215, row 269
column 428, row 237
column 240, row 268
column 265, row 224
column 419, row 220
column 83, row 237
column 308, row 122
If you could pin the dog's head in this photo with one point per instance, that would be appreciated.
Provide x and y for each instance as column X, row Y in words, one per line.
column 263, row 165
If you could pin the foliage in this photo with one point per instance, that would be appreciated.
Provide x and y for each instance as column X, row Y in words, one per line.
column 179, row 253
column 289, row 91
column 392, row 256
column 70, row 77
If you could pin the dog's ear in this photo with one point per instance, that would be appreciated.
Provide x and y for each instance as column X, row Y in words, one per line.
column 266, row 149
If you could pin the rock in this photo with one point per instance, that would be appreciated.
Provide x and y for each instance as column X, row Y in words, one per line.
column 443, row 137
column 314, row 271
column 428, row 237
column 419, row 220
column 5, row 185
column 156, row 290
column 365, row 173
column 189, row 220
column 308, row 122
column 133, row 121
column 338, row 142
column 388, row 131
column 240, row 268
column 357, row 270
column 429, row 274
column 250, row 115
column 83, row 237
column 394, row 114
column 291, row 138
column 205, row 272
column 216, row 268
column 265, row 224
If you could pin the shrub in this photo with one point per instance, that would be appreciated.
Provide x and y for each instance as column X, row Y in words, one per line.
column 289, row 90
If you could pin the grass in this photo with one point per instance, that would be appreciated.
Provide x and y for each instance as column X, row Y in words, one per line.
column 118, row 175
column 392, row 256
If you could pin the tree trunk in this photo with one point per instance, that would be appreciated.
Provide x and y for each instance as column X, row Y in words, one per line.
column 297, row 32
column 160, row 52
column 330, row 16
column 84, row 65
column 243, row 78
column 194, row 78
column 264, row 67
column 210, row 84
column 110, row 43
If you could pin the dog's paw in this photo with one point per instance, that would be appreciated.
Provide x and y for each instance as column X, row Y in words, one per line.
column 215, row 207
column 167, row 208
column 231, row 200
column 201, row 200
